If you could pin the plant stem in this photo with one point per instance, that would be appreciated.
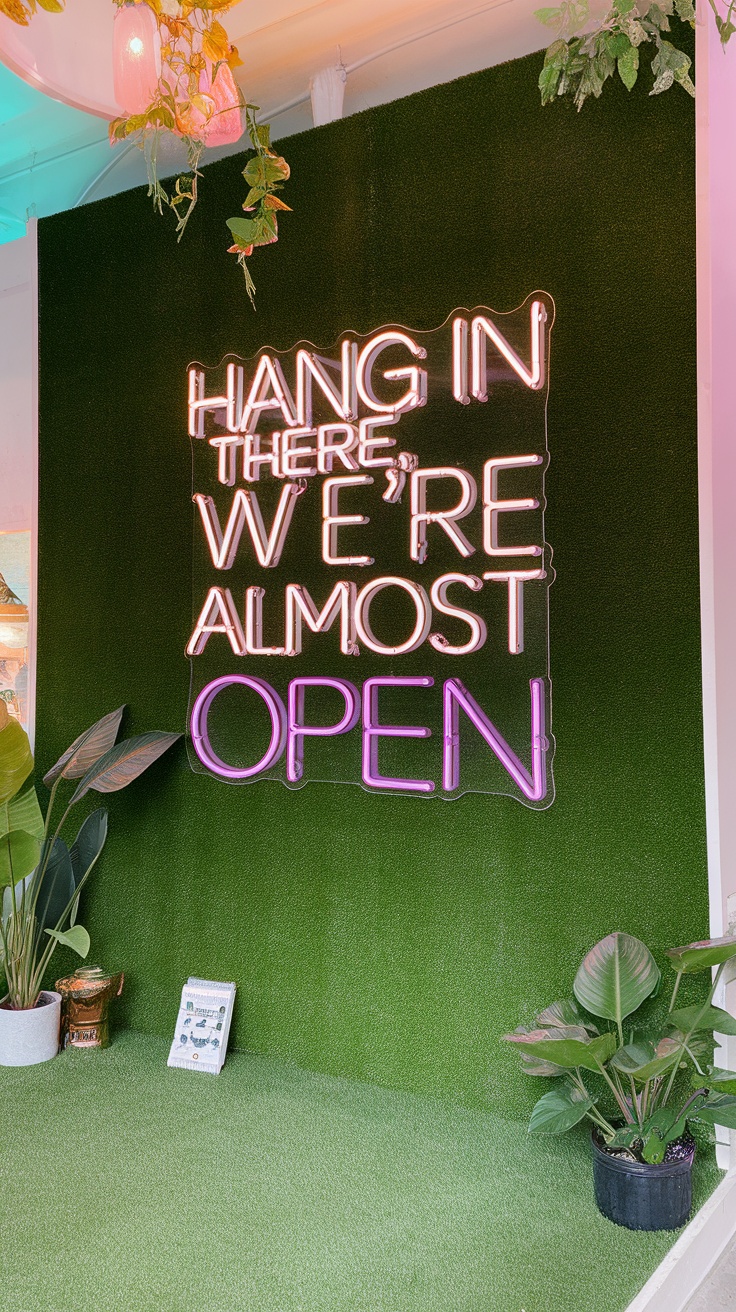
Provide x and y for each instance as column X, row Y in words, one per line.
column 693, row 1027
column 619, row 1099
column 674, row 992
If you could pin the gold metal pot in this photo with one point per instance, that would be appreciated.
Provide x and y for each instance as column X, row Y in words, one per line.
column 86, row 997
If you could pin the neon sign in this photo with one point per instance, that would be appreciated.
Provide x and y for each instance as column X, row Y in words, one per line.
column 341, row 629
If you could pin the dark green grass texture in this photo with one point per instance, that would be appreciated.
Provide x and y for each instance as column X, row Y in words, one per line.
column 270, row 1189
column 392, row 939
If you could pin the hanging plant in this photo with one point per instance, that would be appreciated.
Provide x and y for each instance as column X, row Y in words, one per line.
column 174, row 73
column 265, row 174
column 173, row 66
column 22, row 11
column 587, row 51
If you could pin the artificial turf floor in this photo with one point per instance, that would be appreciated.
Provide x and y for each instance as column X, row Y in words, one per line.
column 126, row 1186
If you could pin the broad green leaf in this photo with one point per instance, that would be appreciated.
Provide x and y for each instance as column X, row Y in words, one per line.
column 644, row 1060
column 565, row 1012
column 547, row 82
column 88, row 844
column 617, row 44
column 86, row 749
column 720, row 1109
column 16, row 758
column 57, row 887
column 244, row 230
column 85, row 850
column 534, row 1065
column 719, row 1081
column 625, row 6
column 625, row 1137
column 701, row 956
column 18, row 856
column 559, row 1110
column 556, row 1046
column 75, row 938
column 617, row 975
column 628, row 66
column 124, row 763
column 687, row 1019
column 22, row 812
column 660, row 1130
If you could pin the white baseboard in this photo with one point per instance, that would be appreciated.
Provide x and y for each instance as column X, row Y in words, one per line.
column 694, row 1254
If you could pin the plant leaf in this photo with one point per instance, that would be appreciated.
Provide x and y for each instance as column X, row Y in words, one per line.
column 85, row 850
column 16, row 759
column 644, row 1060
column 57, row 887
column 628, row 66
column 720, row 1109
column 719, row 1081
column 557, row 1046
column 76, row 938
column 701, row 956
column 617, row 975
column 22, row 812
column 86, row 749
column 124, row 763
column 19, row 853
column 559, row 1110
column 712, row 1018
column 566, row 1012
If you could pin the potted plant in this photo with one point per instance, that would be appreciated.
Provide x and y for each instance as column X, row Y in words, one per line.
column 41, row 877
column 652, row 1082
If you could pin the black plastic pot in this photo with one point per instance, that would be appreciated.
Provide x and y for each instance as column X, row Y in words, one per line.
column 642, row 1196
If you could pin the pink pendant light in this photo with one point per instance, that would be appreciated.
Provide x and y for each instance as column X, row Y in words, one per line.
column 225, row 124
column 136, row 57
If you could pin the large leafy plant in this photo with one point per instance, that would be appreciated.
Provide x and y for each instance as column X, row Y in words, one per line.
column 40, row 876
column 645, row 1075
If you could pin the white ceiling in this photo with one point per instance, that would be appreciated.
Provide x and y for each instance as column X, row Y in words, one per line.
column 54, row 152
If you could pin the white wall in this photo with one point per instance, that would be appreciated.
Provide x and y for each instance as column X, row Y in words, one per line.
column 18, row 412
column 17, row 381
column 716, row 199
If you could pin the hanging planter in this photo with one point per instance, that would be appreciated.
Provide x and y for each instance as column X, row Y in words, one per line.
column 136, row 57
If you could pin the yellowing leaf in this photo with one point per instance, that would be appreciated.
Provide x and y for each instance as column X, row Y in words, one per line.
column 275, row 203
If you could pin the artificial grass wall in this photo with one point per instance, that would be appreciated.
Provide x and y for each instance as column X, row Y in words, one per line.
column 390, row 938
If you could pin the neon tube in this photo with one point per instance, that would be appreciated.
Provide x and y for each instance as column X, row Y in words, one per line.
column 200, row 734
column 297, row 730
column 457, row 698
column 372, row 731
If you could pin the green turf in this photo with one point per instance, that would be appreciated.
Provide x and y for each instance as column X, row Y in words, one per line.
column 127, row 1186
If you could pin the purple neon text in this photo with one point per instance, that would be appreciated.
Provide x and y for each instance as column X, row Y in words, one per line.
column 288, row 731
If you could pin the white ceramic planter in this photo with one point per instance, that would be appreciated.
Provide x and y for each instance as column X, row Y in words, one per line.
column 29, row 1037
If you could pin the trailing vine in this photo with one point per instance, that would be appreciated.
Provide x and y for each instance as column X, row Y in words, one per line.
column 190, row 35
column 195, row 49
column 587, row 51
column 265, row 174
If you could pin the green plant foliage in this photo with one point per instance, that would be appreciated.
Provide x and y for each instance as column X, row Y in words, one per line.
column 640, row 1075
column 265, row 173
column 588, row 50
column 691, row 1019
column 41, row 877
column 559, row 1110
column 617, row 975
column 702, row 956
